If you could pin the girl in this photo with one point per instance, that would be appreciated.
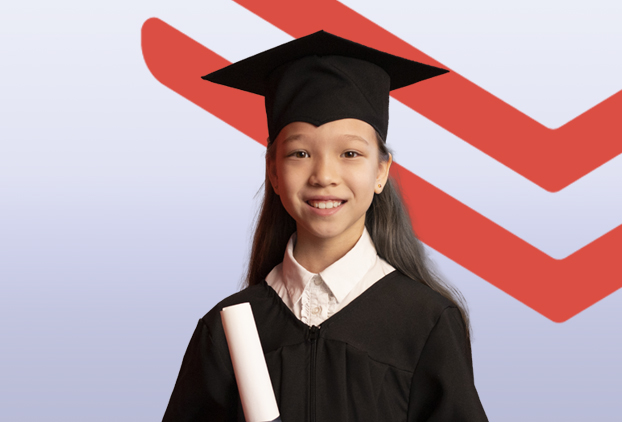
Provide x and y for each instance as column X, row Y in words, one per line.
column 353, row 324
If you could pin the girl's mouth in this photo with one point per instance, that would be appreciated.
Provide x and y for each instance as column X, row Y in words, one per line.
column 325, row 204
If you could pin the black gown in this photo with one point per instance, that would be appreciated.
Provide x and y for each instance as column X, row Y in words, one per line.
column 397, row 352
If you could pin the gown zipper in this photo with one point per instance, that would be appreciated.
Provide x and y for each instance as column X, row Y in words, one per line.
column 312, row 336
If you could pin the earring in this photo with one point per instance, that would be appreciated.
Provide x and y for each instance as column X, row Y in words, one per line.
column 379, row 185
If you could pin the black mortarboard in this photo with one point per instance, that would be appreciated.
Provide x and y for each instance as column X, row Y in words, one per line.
column 320, row 78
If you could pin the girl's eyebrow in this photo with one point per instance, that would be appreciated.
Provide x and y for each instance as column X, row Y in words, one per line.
column 356, row 138
column 293, row 138
column 299, row 136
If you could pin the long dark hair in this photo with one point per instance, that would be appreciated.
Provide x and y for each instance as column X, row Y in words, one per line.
column 387, row 222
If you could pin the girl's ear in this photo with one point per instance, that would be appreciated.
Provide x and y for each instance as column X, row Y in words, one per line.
column 271, row 170
column 383, row 174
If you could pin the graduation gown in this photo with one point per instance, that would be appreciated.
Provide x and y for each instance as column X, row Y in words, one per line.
column 397, row 352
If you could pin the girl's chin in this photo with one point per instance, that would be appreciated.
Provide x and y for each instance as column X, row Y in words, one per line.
column 324, row 233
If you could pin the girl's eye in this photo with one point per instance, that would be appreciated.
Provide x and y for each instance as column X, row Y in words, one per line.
column 300, row 154
column 351, row 154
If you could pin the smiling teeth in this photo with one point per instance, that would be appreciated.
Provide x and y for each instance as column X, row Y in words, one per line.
column 326, row 204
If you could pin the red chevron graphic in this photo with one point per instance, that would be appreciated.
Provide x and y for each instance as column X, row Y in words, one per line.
column 551, row 158
column 558, row 289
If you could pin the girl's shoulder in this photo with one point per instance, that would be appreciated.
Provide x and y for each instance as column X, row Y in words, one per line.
column 275, row 323
column 256, row 295
column 402, row 292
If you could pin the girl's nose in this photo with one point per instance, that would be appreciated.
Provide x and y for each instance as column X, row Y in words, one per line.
column 325, row 172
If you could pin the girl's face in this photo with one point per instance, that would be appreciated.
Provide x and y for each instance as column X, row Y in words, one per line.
column 326, row 176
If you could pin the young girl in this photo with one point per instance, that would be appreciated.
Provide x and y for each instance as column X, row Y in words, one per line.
column 353, row 324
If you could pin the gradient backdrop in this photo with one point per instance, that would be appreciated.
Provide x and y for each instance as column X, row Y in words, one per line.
column 126, row 209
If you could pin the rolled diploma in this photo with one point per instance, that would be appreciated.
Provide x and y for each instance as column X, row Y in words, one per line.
column 249, row 364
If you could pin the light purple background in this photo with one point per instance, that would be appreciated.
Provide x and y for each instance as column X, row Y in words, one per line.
column 126, row 210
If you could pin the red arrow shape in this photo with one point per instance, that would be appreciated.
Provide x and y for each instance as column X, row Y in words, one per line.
column 558, row 289
column 551, row 158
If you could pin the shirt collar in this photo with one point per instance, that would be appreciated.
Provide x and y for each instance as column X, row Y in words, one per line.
column 340, row 277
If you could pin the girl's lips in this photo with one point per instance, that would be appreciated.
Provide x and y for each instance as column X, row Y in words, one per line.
column 325, row 211
column 322, row 204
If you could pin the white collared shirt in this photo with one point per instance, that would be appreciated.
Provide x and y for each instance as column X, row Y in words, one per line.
column 313, row 298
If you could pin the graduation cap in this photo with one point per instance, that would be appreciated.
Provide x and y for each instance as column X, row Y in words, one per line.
column 322, row 77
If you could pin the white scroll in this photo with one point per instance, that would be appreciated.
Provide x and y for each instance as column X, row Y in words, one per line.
column 249, row 364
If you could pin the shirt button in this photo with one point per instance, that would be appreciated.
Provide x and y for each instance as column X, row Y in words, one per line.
column 317, row 281
column 316, row 310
